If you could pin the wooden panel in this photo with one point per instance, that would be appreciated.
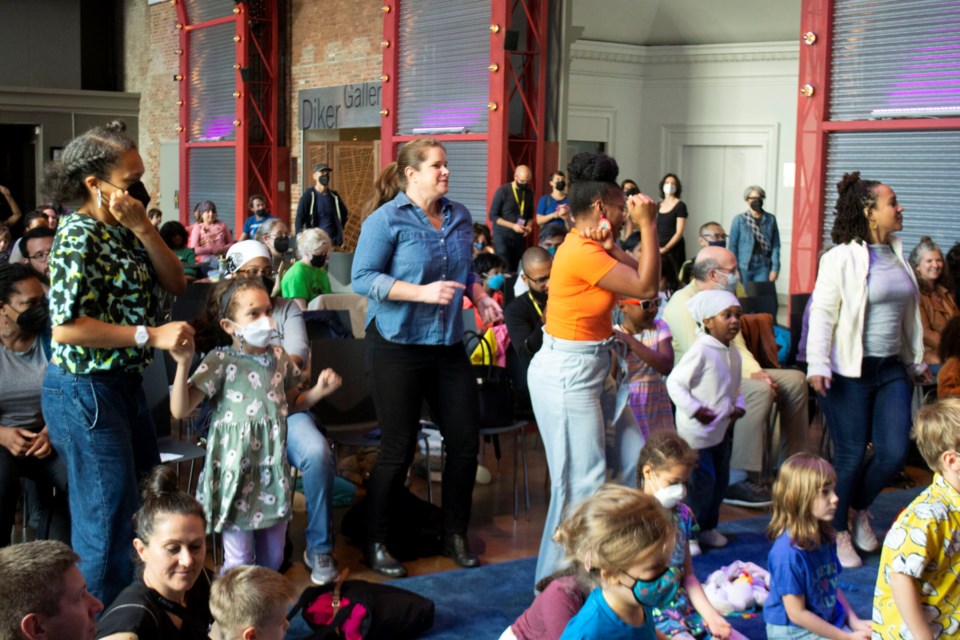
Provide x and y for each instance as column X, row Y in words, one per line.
column 355, row 167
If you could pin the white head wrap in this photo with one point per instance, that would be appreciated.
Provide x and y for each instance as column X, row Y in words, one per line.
column 243, row 252
column 709, row 303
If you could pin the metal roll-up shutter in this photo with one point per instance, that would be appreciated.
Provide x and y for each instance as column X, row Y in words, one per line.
column 213, row 176
column 922, row 167
column 895, row 58
column 467, row 162
column 443, row 81
column 202, row 10
column 212, row 83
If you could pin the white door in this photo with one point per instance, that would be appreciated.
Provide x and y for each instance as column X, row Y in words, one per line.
column 169, row 196
column 713, row 178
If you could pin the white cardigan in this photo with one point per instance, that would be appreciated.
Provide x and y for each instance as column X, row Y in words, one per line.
column 835, row 338
column 708, row 375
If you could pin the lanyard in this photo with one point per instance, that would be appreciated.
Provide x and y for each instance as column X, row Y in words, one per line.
column 535, row 305
column 520, row 201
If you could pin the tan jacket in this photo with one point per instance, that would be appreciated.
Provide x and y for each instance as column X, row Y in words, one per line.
column 936, row 309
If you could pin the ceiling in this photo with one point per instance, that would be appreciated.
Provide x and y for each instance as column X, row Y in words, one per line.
column 687, row 22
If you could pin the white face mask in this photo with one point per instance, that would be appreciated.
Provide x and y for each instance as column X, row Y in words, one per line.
column 258, row 332
column 733, row 279
column 670, row 495
column 669, row 189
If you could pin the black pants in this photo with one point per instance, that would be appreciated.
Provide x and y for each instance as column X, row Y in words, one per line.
column 403, row 376
column 49, row 474
column 509, row 246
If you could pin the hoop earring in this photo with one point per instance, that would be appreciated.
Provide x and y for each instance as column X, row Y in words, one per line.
column 874, row 225
column 99, row 197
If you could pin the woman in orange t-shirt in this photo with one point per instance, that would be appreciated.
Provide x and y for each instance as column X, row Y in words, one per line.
column 573, row 392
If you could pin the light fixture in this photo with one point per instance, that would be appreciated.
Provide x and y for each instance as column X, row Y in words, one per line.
column 807, row 90
column 949, row 111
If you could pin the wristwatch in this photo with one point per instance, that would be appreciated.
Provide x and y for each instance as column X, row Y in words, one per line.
column 141, row 336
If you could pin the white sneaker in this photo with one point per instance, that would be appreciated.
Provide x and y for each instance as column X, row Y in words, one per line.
column 849, row 559
column 713, row 538
column 694, row 548
column 863, row 536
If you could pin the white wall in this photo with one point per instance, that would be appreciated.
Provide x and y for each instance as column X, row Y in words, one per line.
column 656, row 104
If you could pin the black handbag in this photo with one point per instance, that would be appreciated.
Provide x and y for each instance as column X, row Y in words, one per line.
column 494, row 386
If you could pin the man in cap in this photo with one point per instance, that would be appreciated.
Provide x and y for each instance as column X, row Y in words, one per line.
column 321, row 207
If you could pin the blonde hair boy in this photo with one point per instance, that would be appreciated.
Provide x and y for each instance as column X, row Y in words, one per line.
column 917, row 589
column 251, row 603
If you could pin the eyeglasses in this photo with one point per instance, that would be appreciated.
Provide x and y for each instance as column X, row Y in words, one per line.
column 255, row 273
column 644, row 304
column 40, row 256
column 538, row 281
column 714, row 236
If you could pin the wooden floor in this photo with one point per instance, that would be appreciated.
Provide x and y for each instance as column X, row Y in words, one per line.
column 494, row 534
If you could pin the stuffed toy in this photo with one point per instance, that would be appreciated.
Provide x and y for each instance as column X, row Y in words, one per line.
column 737, row 587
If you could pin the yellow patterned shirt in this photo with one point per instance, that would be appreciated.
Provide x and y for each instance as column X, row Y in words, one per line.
column 923, row 543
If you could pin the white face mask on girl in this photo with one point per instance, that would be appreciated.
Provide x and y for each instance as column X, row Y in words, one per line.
column 671, row 494
column 258, row 332
column 669, row 189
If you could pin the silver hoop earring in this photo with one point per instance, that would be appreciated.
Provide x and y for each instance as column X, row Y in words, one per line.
column 99, row 197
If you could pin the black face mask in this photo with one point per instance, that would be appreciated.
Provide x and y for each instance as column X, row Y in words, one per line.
column 539, row 296
column 560, row 185
column 632, row 191
column 324, row 179
column 35, row 319
column 522, row 188
column 267, row 284
column 138, row 191
column 319, row 260
column 282, row 244
column 757, row 205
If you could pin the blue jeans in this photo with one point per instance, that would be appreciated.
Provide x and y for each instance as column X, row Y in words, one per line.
column 574, row 399
column 758, row 269
column 789, row 632
column 872, row 408
column 100, row 426
column 308, row 451
column 708, row 483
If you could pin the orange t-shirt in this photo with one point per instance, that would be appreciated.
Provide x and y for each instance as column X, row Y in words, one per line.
column 577, row 309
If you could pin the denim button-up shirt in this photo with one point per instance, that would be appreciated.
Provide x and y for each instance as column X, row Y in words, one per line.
column 398, row 242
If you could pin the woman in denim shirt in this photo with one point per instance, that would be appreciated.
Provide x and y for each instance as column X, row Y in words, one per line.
column 414, row 262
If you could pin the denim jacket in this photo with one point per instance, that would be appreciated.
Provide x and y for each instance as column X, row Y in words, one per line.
column 398, row 242
column 741, row 240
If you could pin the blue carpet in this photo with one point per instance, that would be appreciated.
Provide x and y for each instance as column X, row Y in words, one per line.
column 480, row 603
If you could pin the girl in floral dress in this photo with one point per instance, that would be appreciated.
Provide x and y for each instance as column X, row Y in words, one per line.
column 252, row 386
column 663, row 471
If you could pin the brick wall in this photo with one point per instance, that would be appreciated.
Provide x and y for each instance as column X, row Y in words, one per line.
column 333, row 42
column 150, row 62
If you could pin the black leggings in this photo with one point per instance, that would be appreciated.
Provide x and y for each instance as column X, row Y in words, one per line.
column 403, row 376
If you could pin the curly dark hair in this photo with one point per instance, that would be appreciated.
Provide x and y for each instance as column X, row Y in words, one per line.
column 950, row 340
column 591, row 175
column 663, row 181
column 856, row 194
column 95, row 153
column 10, row 276
column 172, row 229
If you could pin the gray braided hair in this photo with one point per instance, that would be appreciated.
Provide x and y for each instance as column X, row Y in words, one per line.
column 92, row 153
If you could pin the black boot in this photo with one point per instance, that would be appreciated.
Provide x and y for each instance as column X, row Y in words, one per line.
column 455, row 546
column 379, row 559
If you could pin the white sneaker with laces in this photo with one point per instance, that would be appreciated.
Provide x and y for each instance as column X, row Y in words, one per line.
column 863, row 536
column 694, row 548
column 849, row 559
column 713, row 538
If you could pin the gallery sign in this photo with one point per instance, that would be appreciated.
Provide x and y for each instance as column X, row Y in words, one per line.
column 342, row 107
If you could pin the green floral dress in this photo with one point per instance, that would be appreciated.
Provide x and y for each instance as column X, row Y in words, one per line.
column 245, row 484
